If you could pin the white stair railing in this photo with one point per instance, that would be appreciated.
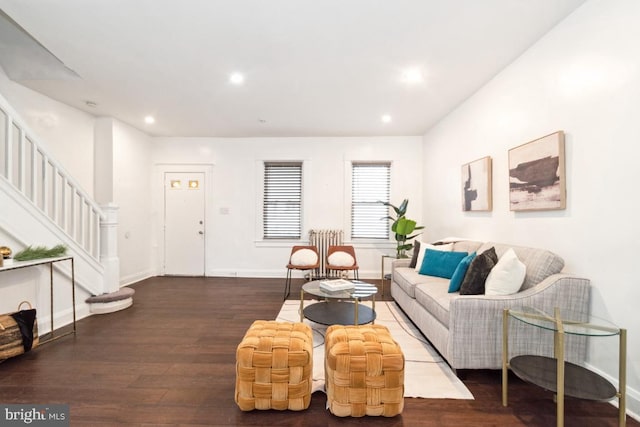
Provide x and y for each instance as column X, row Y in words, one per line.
column 26, row 164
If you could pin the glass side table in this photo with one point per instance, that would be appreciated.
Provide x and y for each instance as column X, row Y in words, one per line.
column 556, row 375
column 385, row 277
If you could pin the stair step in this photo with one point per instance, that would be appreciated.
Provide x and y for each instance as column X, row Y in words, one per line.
column 114, row 301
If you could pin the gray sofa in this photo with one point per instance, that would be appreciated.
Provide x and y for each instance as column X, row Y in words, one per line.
column 467, row 329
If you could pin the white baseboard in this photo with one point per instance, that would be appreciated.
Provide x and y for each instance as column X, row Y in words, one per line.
column 62, row 317
column 632, row 395
column 136, row 277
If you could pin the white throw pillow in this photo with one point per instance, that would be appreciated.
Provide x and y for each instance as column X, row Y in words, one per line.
column 423, row 248
column 341, row 259
column 304, row 257
column 507, row 276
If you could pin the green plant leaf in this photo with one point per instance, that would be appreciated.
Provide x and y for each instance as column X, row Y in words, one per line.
column 395, row 209
column 405, row 226
column 31, row 253
column 402, row 227
column 403, row 206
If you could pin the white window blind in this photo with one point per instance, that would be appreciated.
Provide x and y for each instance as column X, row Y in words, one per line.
column 370, row 184
column 282, row 210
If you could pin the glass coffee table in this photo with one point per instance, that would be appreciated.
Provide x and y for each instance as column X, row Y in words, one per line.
column 554, row 373
column 339, row 307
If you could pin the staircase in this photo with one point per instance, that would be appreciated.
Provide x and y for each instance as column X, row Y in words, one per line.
column 41, row 203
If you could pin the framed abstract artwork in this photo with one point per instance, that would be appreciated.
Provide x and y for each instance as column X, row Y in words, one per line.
column 537, row 174
column 476, row 185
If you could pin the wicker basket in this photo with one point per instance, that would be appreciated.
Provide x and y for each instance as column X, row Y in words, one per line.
column 11, row 342
column 364, row 371
column 274, row 367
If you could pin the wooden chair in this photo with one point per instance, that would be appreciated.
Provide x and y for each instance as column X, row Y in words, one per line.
column 292, row 266
column 346, row 249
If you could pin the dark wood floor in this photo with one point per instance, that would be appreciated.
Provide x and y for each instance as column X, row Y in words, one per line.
column 170, row 360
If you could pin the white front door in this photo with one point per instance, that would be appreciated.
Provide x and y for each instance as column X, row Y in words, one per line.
column 184, row 223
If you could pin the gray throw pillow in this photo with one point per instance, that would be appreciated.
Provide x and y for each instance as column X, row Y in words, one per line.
column 414, row 257
column 479, row 269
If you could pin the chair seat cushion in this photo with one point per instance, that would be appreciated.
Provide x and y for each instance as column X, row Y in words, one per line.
column 304, row 257
column 341, row 259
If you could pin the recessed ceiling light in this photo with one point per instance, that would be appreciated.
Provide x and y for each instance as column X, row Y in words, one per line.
column 236, row 78
column 386, row 118
column 149, row 120
column 412, row 76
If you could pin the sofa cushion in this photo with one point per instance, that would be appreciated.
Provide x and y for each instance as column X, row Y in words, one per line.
column 466, row 246
column 434, row 296
column 424, row 246
column 473, row 282
column 407, row 279
column 507, row 276
column 461, row 271
column 540, row 263
column 441, row 263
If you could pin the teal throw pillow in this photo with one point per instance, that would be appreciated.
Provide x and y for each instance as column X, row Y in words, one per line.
column 440, row 263
column 461, row 270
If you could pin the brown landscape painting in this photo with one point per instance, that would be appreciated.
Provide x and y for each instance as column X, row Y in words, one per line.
column 536, row 174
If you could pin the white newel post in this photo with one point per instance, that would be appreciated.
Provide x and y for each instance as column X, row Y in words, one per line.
column 109, row 247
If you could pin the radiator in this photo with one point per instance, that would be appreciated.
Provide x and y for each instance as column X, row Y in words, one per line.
column 322, row 239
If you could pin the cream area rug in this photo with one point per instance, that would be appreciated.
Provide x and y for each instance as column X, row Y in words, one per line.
column 426, row 374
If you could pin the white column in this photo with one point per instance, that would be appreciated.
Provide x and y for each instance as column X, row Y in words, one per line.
column 109, row 247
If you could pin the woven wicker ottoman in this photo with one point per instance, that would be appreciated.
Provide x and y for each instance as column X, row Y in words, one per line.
column 364, row 371
column 274, row 366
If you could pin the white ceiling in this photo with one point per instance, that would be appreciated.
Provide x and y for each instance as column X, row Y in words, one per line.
column 312, row 67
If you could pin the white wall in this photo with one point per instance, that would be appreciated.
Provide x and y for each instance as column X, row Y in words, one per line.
column 234, row 240
column 103, row 160
column 66, row 132
column 584, row 78
column 132, row 194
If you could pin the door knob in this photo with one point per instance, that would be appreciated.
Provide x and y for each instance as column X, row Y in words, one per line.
column 200, row 232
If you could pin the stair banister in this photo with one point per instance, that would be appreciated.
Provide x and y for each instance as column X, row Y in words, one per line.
column 53, row 190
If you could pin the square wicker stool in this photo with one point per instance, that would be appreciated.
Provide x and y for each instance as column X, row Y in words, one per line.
column 274, row 366
column 364, row 371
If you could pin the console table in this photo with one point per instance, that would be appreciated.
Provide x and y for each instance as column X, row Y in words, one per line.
column 50, row 261
column 554, row 373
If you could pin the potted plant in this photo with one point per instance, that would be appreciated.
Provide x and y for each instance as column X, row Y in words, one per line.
column 402, row 227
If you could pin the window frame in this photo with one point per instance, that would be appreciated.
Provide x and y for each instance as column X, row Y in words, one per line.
column 384, row 210
column 265, row 236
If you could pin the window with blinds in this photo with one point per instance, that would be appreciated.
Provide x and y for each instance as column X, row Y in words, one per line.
column 370, row 184
column 282, row 210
